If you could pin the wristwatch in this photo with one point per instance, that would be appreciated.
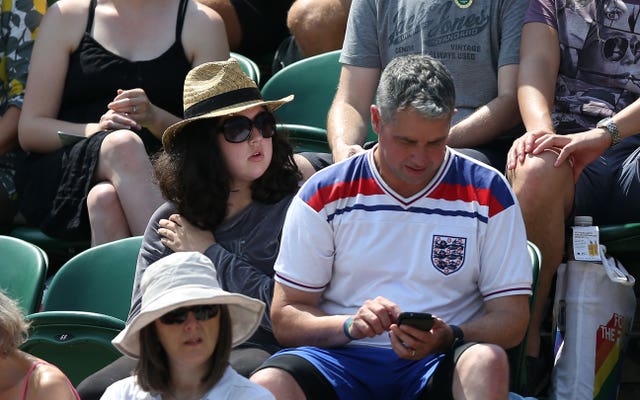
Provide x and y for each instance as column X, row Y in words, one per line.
column 458, row 336
column 612, row 128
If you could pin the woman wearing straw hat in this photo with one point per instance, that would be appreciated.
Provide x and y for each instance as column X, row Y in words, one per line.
column 23, row 376
column 183, row 335
column 228, row 176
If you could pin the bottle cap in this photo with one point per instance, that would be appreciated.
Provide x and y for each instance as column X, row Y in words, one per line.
column 583, row 220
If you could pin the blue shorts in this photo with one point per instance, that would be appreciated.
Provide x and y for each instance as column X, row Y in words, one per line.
column 365, row 372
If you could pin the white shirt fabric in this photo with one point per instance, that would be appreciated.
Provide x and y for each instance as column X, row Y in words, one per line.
column 232, row 386
column 446, row 250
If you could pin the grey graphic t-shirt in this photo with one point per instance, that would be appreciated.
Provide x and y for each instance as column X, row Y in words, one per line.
column 473, row 38
column 600, row 62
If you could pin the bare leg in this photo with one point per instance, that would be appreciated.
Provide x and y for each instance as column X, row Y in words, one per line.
column 230, row 18
column 545, row 194
column 482, row 372
column 125, row 165
column 318, row 26
column 108, row 222
column 280, row 383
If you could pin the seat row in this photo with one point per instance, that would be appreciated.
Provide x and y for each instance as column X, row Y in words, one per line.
column 84, row 304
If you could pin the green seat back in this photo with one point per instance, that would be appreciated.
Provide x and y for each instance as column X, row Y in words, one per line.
column 248, row 66
column 306, row 138
column 79, row 343
column 99, row 280
column 23, row 270
column 313, row 81
column 622, row 237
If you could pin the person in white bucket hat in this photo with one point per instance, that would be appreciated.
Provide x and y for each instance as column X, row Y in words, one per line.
column 183, row 335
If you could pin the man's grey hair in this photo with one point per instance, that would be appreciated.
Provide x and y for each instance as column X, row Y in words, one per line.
column 417, row 82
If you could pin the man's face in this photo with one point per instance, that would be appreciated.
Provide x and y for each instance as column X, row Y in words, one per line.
column 411, row 149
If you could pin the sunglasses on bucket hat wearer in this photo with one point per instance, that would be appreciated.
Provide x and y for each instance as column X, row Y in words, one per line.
column 238, row 128
column 180, row 315
column 217, row 89
column 187, row 281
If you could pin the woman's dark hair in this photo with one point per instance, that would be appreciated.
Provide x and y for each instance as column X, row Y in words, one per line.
column 152, row 369
column 192, row 174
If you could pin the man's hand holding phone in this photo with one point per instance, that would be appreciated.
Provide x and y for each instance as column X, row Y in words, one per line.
column 417, row 335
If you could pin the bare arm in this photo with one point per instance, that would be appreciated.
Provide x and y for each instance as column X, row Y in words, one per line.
column 204, row 35
column 539, row 64
column 504, row 324
column 492, row 119
column 59, row 32
column 348, row 120
column 298, row 320
column 16, row 67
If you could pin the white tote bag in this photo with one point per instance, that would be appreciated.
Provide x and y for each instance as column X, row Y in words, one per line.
column 593, row 312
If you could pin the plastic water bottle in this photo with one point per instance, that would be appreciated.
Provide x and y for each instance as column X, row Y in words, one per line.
column 585, row 240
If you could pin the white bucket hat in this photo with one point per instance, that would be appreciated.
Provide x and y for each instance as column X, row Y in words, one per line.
column 181, row 280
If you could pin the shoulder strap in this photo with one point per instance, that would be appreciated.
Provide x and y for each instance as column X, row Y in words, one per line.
column 182, row 11
column 92, row 8
column 27, row 377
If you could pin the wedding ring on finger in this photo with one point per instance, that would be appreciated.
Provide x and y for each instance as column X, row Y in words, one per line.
column 133, row 109
column 413, row 353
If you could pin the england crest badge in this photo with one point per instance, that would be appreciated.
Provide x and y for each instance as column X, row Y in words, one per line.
column 447, row 253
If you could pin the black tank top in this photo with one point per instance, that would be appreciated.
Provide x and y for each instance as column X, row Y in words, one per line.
column 95, row 73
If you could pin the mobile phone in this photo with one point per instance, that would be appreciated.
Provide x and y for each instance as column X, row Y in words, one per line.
column 418, row 320
column 68, row 138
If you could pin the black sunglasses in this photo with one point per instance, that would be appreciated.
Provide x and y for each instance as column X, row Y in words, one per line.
column 202, row 313
column 238, row 129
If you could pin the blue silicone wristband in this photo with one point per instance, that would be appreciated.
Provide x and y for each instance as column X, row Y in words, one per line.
column 346, row 326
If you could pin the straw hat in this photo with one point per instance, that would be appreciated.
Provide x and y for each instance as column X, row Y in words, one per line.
column 218, row 88
column 187, row 279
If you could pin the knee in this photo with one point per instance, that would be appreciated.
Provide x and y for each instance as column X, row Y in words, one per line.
column 279, row 382
column 122, row 146
column 484, row 358
column 102, row 199
column 538, row 180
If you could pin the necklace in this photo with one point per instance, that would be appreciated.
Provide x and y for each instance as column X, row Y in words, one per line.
column 463, row 3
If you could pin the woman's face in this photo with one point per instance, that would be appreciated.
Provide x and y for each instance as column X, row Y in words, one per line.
column 249, row 159
column 192, row 341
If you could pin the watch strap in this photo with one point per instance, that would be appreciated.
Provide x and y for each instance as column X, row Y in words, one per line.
column 611, row 127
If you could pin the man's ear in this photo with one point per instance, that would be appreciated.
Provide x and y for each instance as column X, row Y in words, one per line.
column 376, row 120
